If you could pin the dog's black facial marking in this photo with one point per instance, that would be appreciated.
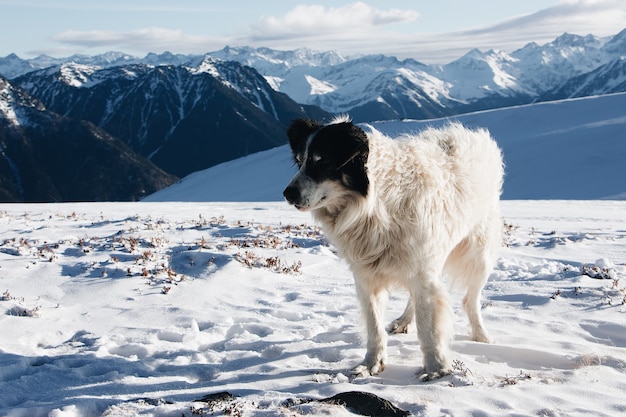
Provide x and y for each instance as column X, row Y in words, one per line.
column 339, row 152
column 298, row 134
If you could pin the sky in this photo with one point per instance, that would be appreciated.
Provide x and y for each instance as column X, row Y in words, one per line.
column 426, row 30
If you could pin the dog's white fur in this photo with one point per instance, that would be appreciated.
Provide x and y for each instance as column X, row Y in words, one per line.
column 432, row 208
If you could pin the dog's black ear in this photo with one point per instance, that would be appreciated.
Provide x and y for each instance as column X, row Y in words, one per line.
column 347, row 145
column 299, row 132
column 351, row 144
column 354, row 153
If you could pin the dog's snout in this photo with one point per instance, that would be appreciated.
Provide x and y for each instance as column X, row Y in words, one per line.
column 292, row 194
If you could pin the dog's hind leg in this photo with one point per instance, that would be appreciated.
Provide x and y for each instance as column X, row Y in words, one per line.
column 472, row 307
column 402, row 323
column 472, row 261
column 373, row 308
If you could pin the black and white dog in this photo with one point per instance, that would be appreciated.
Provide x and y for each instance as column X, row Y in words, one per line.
column 404, row 212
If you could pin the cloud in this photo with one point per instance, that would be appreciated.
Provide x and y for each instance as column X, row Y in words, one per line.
column 152, row 39
column 582, row 17
column 358, row 28
column 347, row 27
column 317, row 20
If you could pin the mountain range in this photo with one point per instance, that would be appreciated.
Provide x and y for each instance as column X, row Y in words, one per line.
column 379, row 87
column 184, row 113
column 382, row 88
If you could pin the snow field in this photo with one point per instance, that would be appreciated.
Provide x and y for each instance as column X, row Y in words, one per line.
column 142, row 308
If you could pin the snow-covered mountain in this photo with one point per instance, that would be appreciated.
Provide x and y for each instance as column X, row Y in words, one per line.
column 606, row 79
column 278, row 63
column 13, row 101
column 48, row 157
column 378, row 87
column 13, row 66
column 569, row 149
column 390, row 88
column 183, row 118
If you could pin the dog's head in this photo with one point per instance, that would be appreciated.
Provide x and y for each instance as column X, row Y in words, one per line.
column 331, row 162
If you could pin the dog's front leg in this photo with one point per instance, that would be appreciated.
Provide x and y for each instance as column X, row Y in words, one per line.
column 433, row 315
column 372, row 303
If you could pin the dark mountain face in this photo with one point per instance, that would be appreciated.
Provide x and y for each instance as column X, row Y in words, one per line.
column 183, row 119
column 45, row 157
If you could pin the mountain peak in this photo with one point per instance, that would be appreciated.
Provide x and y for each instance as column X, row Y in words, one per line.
column 12, row 57
column 474, row 53
column 267, row 58
column 570, row 40
column 76, row 75
column 617, row 44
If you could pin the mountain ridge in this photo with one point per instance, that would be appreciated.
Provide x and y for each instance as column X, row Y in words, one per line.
column 376, row 87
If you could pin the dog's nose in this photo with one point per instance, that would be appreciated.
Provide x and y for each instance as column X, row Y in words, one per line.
column 292, row 194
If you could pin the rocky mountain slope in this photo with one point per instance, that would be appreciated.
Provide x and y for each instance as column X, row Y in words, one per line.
column 48, row 157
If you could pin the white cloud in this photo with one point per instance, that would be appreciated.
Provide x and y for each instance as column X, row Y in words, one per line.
column 317, row 20
column 358, row 28
column 314, row 26
column 152, row 39
column 599, row 17
column 580, row 17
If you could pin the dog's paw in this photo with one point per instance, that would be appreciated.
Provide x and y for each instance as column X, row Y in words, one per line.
column 425, row 376
column 360, row 371
column 398, row 327
column 481, row 337
column 364, row 370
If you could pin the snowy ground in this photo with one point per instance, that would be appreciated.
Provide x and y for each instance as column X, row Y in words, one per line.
column 141, row 308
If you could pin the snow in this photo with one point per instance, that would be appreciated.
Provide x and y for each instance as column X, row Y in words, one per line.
column 478, row 74
column 274, row 82
column 12, row 103
column 319, row 87
column 344, row 86
column 78, row 75
column 208, row 66
column 138, row 309
column 570, row 149
column 7, row 107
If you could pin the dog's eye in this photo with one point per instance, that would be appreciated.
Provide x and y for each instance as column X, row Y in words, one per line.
column 315, row 158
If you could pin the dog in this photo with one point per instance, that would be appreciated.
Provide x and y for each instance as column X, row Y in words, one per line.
column 404, row 212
